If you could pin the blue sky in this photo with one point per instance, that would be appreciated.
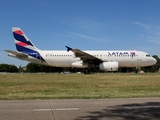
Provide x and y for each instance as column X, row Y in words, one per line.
column 82, row 24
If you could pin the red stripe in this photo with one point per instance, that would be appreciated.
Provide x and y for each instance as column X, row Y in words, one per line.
column 22, row 44
column 132, row 52
column 18, row 32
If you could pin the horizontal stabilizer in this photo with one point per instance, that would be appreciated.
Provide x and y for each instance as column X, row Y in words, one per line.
column 19, row 54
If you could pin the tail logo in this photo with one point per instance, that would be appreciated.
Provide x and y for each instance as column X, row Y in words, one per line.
column 18, row 32
column 23, row 44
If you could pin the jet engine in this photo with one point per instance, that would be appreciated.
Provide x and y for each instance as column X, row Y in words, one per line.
column 79, row 64
column 109, row 66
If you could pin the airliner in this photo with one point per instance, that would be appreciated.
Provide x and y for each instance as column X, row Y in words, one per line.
column 76, row 58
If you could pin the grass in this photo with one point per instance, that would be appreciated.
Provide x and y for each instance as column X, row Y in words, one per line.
column 78, row 86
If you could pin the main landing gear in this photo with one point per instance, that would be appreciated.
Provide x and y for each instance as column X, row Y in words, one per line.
column 87, row 71
column 138, row 69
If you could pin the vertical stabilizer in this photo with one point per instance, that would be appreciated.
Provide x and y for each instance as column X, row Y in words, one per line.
column 23, row 44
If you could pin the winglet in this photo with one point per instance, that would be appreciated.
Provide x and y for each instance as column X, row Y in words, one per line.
column 68, row 48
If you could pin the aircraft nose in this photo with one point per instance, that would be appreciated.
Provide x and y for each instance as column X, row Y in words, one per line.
column 154, row 61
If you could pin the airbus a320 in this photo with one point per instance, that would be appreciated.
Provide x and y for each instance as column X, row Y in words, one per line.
column 75, row 58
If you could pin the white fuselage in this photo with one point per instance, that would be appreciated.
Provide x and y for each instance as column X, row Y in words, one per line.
column 103, row 60
column 124, row 58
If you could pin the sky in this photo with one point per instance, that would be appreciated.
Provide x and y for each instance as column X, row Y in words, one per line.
column 82, row 24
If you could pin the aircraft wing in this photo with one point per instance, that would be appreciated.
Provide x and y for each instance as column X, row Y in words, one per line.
column 18, row 54
column 83, row 55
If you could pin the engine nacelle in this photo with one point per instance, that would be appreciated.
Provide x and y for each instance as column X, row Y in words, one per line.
column 108, row 66
column 79, row 64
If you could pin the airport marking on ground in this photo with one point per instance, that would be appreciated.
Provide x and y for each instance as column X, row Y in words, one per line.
column 57, row 109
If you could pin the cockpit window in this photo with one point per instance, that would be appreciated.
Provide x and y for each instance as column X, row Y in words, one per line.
column 147, row 55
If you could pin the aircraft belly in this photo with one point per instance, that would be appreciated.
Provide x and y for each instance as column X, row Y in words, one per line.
column 59, row 62
column 66, row 63
column 132, row 62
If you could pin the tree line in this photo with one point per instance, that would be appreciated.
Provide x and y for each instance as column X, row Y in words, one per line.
column 34, row 68
column 8, row 68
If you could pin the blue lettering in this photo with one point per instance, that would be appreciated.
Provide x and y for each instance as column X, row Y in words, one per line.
column 126, row 53
column 120, row 54
column 117, row 53
column 109, row 54
column 114, row 54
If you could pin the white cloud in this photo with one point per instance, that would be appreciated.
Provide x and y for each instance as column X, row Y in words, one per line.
column 142, row 25
column 86, row 24
column 89, row 37
column 149, row 37
column 155, row 41
column 152, row 33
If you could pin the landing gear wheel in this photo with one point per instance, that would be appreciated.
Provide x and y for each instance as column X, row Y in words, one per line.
column 87, row 71
column 138, row 69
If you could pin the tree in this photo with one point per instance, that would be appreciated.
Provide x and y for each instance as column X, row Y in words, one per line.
column 8, row 68
column 32, row 67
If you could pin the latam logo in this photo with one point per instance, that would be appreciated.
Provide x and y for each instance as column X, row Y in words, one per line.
column 132, row 53
column 121, row 53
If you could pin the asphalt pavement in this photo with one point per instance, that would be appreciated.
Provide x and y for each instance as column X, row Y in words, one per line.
column 81, row 109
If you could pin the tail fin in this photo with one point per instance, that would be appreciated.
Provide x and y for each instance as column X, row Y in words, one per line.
column 23, row 44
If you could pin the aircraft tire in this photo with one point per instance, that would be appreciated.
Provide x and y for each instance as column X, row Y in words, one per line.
column 87, row 71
